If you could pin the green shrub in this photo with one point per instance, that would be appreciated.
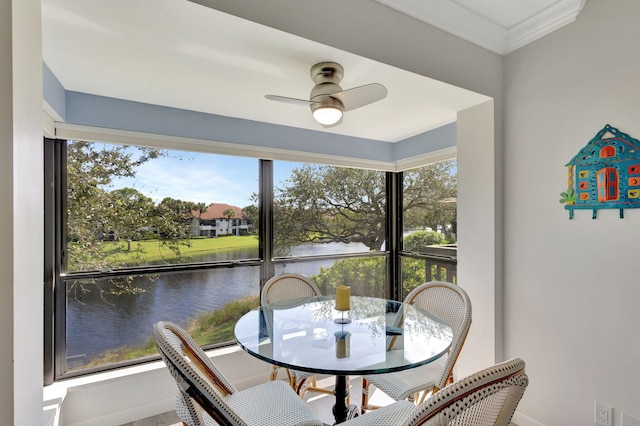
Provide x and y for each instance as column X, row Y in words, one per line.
column 420, row 240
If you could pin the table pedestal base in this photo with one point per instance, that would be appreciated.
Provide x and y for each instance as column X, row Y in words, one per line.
column 341, row 410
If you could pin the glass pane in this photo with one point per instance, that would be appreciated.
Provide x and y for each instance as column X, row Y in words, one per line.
column 416, row 271
column 365, row 276
column 429, row 206
column 133, row 206
column 327, row 210
column 110, row 319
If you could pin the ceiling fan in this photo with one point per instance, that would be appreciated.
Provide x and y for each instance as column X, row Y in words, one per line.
column 328, row 101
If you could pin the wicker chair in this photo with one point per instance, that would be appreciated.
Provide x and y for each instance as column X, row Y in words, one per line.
column 448, row 302
column 282, row 288
column 489, row 397
column 206, row 397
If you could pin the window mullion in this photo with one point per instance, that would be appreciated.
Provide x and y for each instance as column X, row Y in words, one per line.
column 265, row 207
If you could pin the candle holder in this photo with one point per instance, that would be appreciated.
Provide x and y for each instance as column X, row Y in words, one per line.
column 342, row 319
column 342, row 344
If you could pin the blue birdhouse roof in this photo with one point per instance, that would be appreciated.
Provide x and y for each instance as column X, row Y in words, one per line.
column 626, row 147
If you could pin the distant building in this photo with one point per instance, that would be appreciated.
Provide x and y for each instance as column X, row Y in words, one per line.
column 214, row 223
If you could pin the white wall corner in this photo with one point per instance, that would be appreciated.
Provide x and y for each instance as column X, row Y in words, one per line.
column 477, row 235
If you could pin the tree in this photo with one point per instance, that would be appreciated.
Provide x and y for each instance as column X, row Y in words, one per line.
column 200, row 208
column 321, row 204
column 253, row 216
column 229, row 213
column 364, row 276
column 430, row 196
column 129, row 212
column 172, row 220
column 91, row 169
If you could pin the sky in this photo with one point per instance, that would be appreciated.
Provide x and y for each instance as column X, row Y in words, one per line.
column 198, row 177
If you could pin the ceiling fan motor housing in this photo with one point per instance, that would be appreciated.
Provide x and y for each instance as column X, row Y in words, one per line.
column 326, row 75
column 327, row 72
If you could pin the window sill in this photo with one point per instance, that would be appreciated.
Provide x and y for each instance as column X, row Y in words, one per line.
column 60, row 408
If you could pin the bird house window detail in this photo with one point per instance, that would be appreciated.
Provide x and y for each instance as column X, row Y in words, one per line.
column 634, row 193
column 607, row 184
column 583, row 174
column 634, row 181
column 634, row 169
column 584, row 195
column 583, row 185
column 607, row 152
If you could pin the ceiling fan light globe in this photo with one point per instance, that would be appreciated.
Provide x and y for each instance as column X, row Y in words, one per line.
column 327, row 115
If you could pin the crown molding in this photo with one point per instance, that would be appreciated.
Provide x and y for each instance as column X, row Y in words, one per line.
column 455, row 19
column 546, row 21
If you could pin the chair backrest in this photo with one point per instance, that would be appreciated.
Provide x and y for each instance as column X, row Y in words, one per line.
column 286, row 287
column 450, row 303
column 489, row 397
column 202, row 386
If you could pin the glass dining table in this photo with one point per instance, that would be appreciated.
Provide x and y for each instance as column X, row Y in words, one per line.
column 380, row 336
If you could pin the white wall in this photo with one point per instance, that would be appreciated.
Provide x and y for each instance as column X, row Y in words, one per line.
column 477, row 227
column 572, row 287
column 6, row 215
column 21, row 194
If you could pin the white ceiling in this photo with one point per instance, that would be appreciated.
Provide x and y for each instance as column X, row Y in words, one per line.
column 180, row 54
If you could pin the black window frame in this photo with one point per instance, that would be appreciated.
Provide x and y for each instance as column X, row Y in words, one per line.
column 55, row 256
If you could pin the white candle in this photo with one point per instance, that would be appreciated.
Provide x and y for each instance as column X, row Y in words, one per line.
column 342, row 298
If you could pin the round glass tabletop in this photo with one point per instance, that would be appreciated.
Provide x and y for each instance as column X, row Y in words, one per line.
column 383, row 336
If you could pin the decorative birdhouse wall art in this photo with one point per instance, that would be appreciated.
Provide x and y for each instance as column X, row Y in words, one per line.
column 605, row 174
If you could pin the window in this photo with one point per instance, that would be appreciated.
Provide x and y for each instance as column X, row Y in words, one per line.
column 429, row 208
column 136, row 237
column 139, row 247
column 330, row 223
column 607, row 184
column 607, row 151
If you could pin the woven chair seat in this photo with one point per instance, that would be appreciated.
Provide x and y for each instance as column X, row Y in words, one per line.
column 205, row 397
column 488, row 397
column 270, row 403
column 394, row 414
column 406, row 383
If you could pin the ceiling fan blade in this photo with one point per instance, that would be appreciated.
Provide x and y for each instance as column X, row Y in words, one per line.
column 360, row 96
column 284, row 99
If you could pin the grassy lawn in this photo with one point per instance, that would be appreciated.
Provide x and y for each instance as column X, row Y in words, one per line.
column 154, row 250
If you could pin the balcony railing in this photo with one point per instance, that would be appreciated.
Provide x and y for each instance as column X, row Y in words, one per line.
column 440, row 262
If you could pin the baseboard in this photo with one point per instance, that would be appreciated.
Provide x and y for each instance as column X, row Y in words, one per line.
column 524, row 420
